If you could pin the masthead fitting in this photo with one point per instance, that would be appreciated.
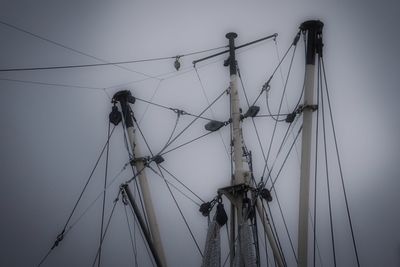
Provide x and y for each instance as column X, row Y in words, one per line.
column 231, row 61
column 313, row 28
column 231, row 35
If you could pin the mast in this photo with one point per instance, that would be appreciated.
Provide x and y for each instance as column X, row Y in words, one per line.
column 125, row 98
column 237, row 142
column 313, row 29
column 241, row 177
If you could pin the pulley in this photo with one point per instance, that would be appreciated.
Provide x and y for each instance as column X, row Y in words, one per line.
column 266, row 194
column 205, row 208
column 177, row 64
column 290, row 117
column 158, row 159
column 221, row 217
column 115, row 116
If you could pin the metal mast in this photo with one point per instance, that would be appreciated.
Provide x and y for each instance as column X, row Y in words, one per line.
column 124, row 98
column 313, row 29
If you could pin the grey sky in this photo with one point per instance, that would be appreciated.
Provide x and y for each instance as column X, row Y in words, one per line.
column 51, row 135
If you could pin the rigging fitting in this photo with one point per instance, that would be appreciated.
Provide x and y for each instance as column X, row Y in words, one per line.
column 115, row 116
column 177, row 63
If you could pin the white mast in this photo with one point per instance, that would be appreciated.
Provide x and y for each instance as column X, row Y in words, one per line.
column 314, row 45
column 240, row 176
column 124, row 97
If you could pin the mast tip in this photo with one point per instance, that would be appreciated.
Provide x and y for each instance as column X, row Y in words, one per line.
column 316, row 25
column 231, row 35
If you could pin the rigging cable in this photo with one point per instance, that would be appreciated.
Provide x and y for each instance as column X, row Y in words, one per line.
column 170, row 191
column 106, row 229
column 286, row 157
column 104, row 63
column 151, row 99
column 279, row 110
column 132, row 238
column 195, row 119
column 174, row 186
column 273, row 73
column 104, row 195
column 50, row 84
column 289, row 129
column 186, row 143
column 277, row 199
column 339, row 163
column 316, row 174
column 252, row 119
column 180, row 211
column 173, row 109
column 263, row 153
column 178, row 116
column 212, row 112
column 326, row 163
column 65, row 47
column 62, row 233
column 143, row 239
column 280, row 106
column 172, row 74
column 131, row 157
column 95, row 200
column 274, row 232
column 175, row 178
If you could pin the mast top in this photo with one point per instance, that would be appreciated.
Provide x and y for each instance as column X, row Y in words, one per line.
column 314, row 39
column 232, row 58
column 312, row 25
column 231, row 35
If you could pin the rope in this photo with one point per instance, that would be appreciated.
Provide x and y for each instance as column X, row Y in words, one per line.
column 180, row 211
column 64, row 230
column 133, row 243
column 104, row 195
column 280, row 104
column 106, row 229
column 104, row 63
column 173, row 176
column 315, row 175
column 174, row 186
column 178, row 111
column 340, row 165
column 173, row 130
column 186, row 143
column 274, row 232
column 65, row 47
column 252, row 119
column 151, row 99
column 194, row 120
column 286, row 157
column 273, row 73
column 212, row 112
column 326, row 166
column 143, row 239
column 51, row 84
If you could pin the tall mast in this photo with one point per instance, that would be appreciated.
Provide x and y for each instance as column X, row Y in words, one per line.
column 124, row 98
column 237, row 141
column 313, row 29
column 241, row 177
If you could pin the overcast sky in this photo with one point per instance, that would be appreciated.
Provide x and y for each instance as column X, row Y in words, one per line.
column 52, row 134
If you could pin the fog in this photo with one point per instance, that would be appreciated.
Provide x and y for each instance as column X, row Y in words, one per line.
column 54, row 122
